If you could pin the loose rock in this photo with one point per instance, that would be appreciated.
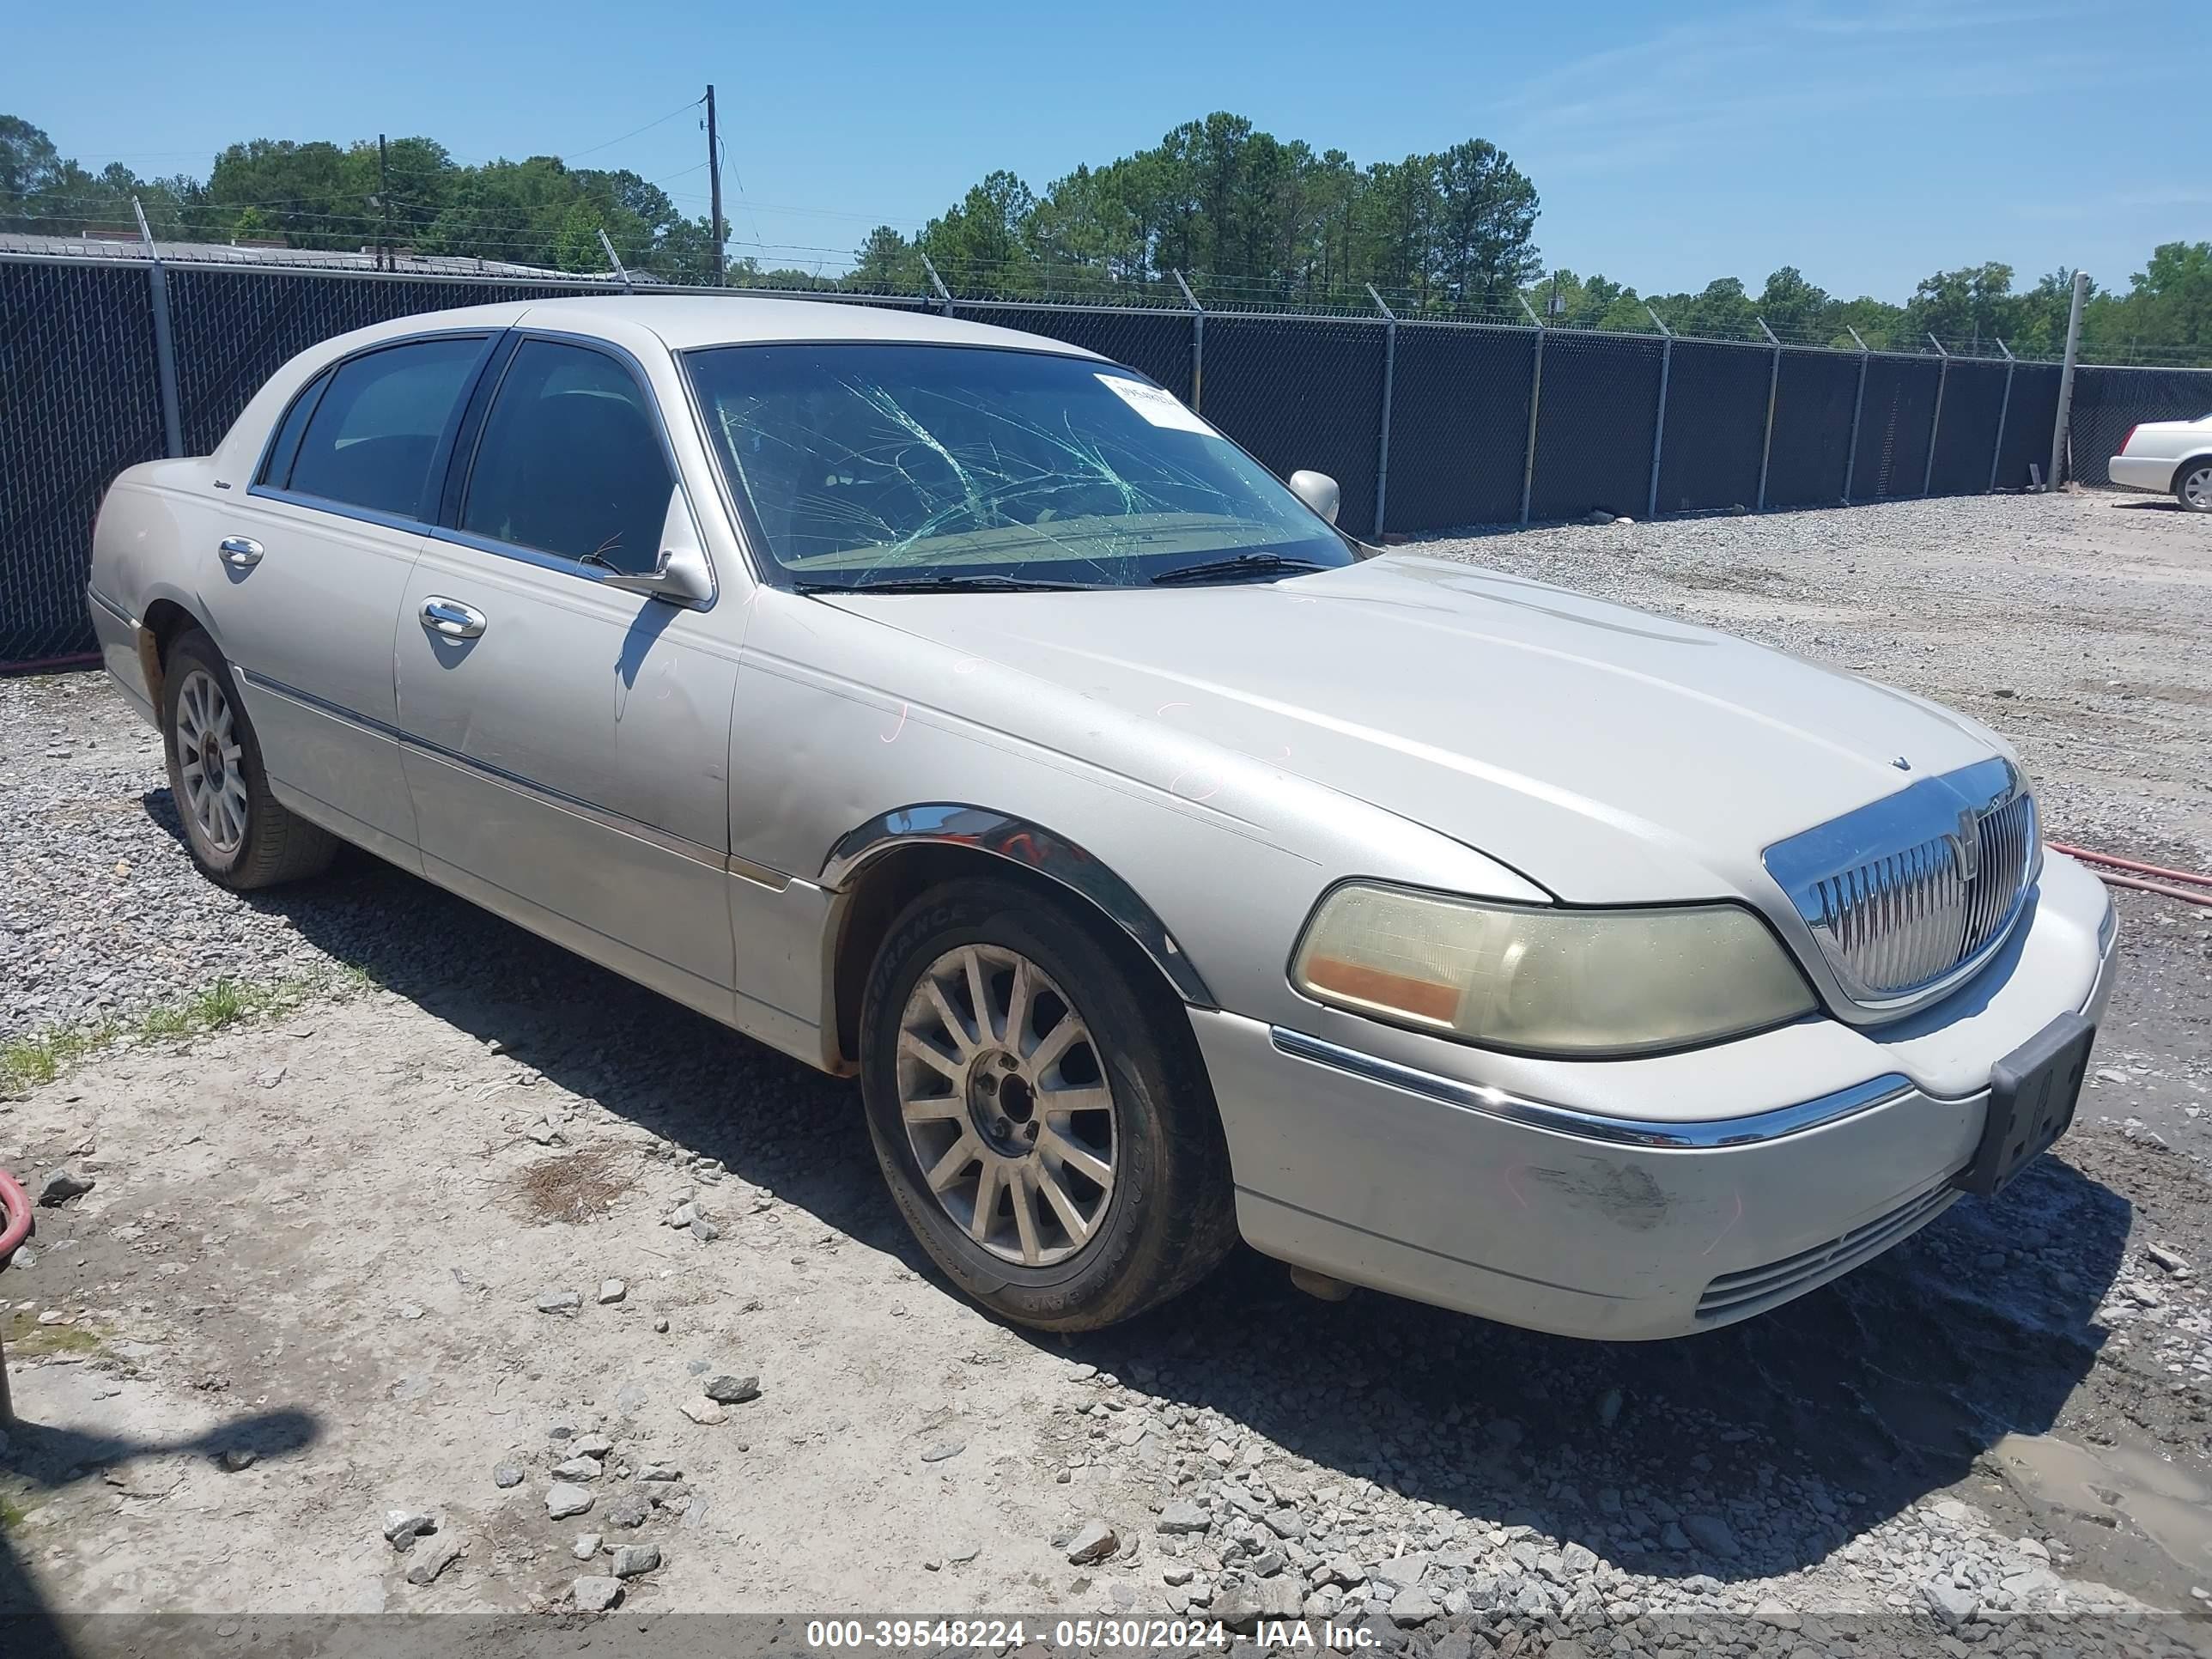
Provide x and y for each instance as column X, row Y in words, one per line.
column 733, row 1390
column 563, row 1499
column 596, row 1594
column 1183, row 1517
column 58, row 1188
column 631, row 1560
column 441, row 1554
column 1094, row 1540
column 403, row 1527
column 559, row 1301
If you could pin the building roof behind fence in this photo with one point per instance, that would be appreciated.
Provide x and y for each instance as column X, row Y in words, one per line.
column 226, row 253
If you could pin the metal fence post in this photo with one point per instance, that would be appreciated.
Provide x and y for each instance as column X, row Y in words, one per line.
column 2004, row 410
column 943, row 294
column 1858, row 408
column 2066, row 379
column 1659, row 426
column 1197, row 342
column 1389, row 378
column 614, row 258
column 1535, row 402
column 1773, row 389
column 165, row 347
column 1935, row 426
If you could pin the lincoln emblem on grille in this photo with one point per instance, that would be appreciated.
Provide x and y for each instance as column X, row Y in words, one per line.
column 1966, row 847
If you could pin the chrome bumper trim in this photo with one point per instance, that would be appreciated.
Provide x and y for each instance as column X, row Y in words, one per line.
column 1701, row 1135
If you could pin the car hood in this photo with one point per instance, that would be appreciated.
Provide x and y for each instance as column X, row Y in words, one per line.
column 1608, row 755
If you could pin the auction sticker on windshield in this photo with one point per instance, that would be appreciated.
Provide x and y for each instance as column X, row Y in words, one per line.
column 1160, row 408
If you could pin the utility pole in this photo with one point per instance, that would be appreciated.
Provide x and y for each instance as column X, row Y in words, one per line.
column 714, row 183
column 2066, row 380
column 383, row 209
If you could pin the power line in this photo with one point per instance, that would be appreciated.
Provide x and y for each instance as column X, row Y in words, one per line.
column 595, row 149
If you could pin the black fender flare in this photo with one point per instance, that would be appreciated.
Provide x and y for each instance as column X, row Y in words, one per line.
column 1035, row 848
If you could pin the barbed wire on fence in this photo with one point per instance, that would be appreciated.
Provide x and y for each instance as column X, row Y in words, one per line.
column 759, row 264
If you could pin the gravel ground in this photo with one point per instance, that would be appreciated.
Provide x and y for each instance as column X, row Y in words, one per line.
column 305, row 1288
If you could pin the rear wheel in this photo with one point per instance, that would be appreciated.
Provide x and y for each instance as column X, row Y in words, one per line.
column 1043, row 1120
column 237, row 832
column 2192, row 484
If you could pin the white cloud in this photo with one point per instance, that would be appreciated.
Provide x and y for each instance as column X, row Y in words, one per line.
column 1780, row 71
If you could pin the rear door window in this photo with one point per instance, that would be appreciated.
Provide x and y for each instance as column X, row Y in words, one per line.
column 373, row 434
column 571, row 462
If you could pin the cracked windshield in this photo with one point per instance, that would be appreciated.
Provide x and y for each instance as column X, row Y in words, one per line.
column 896, row 466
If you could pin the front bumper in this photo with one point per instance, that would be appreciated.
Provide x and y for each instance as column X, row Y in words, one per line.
column 2139, row 473
column 1424, row 1181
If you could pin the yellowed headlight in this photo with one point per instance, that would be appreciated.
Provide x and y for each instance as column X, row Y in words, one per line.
column 1549, row 980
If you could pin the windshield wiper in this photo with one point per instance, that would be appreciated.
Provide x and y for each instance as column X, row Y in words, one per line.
column 951, row 584
column 1237, row 564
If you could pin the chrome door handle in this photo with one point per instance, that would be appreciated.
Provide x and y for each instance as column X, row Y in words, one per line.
column 449, row 619
column 239, row 552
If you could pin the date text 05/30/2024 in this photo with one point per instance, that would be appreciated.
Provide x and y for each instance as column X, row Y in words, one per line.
column 999, row 1635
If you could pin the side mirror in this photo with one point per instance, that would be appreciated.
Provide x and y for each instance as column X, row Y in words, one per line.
column 1318, row 491
column 680, row 576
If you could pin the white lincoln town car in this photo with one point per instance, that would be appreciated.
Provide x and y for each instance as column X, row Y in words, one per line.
column 955, row 708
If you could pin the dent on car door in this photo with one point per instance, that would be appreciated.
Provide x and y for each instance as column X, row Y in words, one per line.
column 567, row 742
column 308, row 566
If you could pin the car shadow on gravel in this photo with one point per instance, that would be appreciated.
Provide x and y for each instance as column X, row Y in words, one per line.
column 1794, row 1431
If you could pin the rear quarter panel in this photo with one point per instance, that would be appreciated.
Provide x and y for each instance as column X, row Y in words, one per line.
column 152, row 516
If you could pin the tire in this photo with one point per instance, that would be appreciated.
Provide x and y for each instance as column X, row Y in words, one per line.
column 2192, row 484
column 1166, row 1217
column 238, row 834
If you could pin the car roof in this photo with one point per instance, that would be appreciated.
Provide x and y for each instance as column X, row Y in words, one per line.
column 684, row 321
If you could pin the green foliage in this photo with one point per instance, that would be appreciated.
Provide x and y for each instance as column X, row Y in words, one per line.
column 322, row 196
column 1248, row 217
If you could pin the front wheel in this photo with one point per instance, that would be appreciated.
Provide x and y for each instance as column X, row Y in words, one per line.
column 237, row 831
column 1043, row 1122
column 2192, row 485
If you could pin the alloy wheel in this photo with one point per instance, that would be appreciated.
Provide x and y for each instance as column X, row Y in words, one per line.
column 2197, row 490
column 1006, row 1104
column 211, row 762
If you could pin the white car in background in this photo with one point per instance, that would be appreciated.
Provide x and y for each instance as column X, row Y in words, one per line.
column 2169, row 455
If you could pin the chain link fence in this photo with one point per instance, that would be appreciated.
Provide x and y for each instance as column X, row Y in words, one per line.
column 2107, row 401
column 78, row 404
column 1426, row 425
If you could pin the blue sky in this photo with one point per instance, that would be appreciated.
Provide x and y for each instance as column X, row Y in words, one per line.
column 1868, row 144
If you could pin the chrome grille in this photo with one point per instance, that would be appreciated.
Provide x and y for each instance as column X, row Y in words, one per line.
column 1904, row 893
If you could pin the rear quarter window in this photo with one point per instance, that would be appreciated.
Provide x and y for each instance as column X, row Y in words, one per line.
column 372, row 435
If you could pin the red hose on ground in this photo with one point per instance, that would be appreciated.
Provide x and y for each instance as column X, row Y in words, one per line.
column 2134, row 881
column 14, row 1216
column 14, row 1228
column 2181, row 893
column 2129, row 864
